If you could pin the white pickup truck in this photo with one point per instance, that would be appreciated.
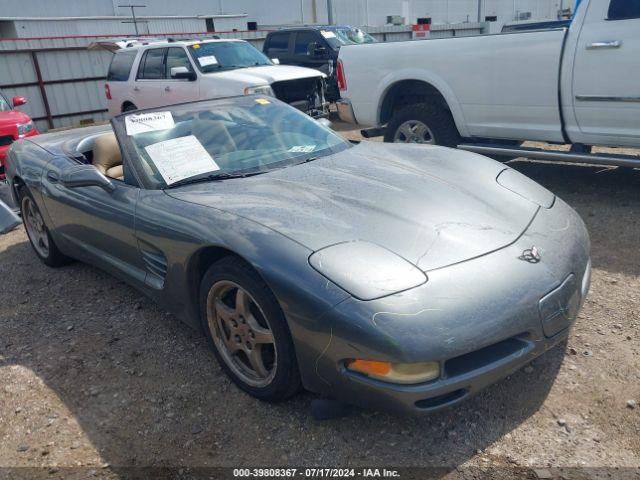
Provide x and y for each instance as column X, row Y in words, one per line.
column 488, row 93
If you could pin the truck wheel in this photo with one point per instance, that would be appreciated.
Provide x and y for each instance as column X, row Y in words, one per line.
column 423, row 123
column 129, row 107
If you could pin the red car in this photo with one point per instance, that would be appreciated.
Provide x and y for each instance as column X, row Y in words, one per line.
column 14, row 125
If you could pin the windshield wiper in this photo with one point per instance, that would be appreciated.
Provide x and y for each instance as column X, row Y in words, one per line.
column 214, row 177
column 207, row 178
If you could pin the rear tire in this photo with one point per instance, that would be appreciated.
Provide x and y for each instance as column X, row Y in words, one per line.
column 129, row 107
column 408, row 126
column 248, row 331
column 38, row 232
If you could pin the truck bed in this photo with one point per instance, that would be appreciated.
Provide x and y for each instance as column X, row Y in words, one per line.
column 506, row 85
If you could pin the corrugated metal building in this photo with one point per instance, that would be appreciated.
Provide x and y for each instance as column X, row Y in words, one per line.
column 42, row 18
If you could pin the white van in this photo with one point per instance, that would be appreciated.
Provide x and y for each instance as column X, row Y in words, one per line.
column 147, row 74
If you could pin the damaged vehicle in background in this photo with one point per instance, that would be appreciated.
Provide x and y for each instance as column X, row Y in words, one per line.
column 390, row 276
column 152, row 73
column 315, row 46
column 14, row 125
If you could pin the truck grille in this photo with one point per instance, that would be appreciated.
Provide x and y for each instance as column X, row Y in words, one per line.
column 6, row 140
column 306, row 94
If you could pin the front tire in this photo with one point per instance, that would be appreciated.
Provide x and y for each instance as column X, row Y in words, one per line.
column 38, row 232
column 423, row 123
column 248, row 331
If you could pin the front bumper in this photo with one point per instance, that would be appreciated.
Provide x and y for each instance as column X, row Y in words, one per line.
column 480, row 320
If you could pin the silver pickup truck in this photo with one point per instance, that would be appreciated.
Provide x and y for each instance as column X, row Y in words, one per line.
column 487, row 94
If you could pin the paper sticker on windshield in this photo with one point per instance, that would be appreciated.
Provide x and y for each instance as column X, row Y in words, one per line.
column 302, row 149
column 263, row 101
column 148, row 122
column 181, row 158
column 327, row 34
column 208, row 60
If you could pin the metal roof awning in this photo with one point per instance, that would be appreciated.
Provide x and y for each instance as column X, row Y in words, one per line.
column 120, row 43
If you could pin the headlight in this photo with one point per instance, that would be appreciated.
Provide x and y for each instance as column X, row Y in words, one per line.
column 24, row 128
column 525, row 187
column 366, row 270
column 263, row 90
column 403, row 373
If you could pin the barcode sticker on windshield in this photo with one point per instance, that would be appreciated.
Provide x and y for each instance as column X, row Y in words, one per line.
column 302, row 149
column 208, row 60
column 181, row 158
column 327, row 34
column 148, row 122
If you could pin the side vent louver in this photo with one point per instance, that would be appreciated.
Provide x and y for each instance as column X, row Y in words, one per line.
column 156, row 264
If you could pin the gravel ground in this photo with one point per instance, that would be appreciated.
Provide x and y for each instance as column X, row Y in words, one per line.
column 95, row 379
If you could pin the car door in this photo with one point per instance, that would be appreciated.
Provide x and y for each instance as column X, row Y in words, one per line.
column 98, row 225
column 150, row 82
column 606, row 75
column 179, row 90
column 278, row 47
column 305, row 58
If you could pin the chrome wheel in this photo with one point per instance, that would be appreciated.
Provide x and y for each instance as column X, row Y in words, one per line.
column 36, row 229
column 241, row 333
column 414, row 131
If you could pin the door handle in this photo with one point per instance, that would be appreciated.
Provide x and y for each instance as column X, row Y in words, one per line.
column 167, row 88
column 52, row 176
column 136, row 89
column 607, row 44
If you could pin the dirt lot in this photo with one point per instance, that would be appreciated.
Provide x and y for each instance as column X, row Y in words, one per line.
column 95, row 379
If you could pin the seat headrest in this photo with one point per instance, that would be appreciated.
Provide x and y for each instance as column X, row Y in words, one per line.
column 106, row 153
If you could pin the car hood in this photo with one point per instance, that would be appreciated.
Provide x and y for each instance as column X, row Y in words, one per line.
column 431, row 205
column 267, row 74
column 10, row 118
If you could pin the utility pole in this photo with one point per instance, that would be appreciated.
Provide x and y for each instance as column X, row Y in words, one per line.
column 330, row 11
column 133, row 15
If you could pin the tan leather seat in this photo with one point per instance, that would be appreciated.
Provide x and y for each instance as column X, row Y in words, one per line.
column 107, row 157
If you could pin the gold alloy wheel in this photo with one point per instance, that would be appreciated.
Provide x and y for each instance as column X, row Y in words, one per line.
column 35, row 227
column 241, row 333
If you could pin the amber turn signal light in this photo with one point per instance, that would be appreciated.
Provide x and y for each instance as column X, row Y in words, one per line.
column 403, row 373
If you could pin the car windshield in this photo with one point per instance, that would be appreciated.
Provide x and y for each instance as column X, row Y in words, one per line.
column 4, row 105
column 222, row 139
column 215, row 56
column 337, row 37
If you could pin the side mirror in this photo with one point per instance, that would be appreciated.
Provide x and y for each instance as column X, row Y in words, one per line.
column 316, row 51
column 183, row 73
column 86, row 176
column 276, row 61
column 17, row 101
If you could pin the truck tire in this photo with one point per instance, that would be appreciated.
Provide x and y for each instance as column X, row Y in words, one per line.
column 423, row 123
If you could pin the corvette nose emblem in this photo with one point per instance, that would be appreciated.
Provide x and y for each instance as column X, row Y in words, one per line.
column 531, row 255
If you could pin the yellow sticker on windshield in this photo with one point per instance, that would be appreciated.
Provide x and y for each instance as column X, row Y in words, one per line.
column 263, row 101
column 196, row 45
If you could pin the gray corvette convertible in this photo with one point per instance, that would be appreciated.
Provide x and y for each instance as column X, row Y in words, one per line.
column 395, row 277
